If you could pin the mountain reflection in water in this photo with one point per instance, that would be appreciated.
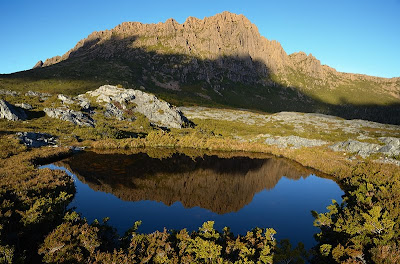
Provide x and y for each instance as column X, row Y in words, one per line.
column 219, row 184
column 179, row 189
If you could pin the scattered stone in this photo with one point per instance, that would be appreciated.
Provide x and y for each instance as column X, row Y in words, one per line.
column 294, row 142
column 10, row 112
column 83, row 102
column 391, row 147
column 75, row 117
column 78, row 100
column 390, row 140
column 36, row 140
column 9, row 92
column 76, row 149
column 156, row 110
column 24, row 106
column 300, row 121
column 353, row 146
column 42, row 96
column 65, row 99
column 113, row 111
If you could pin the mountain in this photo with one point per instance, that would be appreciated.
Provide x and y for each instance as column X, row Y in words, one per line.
column 217, row 61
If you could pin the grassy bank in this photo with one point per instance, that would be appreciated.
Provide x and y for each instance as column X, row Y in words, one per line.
column 32, row 201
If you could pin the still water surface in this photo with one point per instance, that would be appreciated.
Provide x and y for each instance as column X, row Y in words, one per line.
column 178, row 190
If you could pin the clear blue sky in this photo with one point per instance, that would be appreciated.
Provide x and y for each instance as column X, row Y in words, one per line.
column 360, row 36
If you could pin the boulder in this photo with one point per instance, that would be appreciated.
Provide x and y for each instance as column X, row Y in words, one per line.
column 24, row 106
column 113, row 112
column 353, row 146
column 392, row 146
column 42, row 96
column 36, row 140
column 8, row 92
column 156, row 110
column 82, row 102
column 65, row 99
column 364, row 149
column 78, row 100
column 75, row 117
column 10, row 112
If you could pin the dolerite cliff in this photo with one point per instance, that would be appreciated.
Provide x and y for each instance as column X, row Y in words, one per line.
column 223, row 38
column 221, row 59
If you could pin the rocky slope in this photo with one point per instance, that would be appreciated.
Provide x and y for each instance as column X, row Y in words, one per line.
column 304, row 130
column 118, row 100
column 119, row 103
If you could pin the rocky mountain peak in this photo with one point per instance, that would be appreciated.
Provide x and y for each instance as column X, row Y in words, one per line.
column 307, row 63
column 38, row 64
column 225, row 34
column 213, row 52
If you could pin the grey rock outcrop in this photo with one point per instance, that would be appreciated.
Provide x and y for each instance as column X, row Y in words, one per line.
column 79, row 100
column 36, row 140
column 42, row 96
column 82, row 102
column 10, row 112
column 65, row 99
column 8, row 92
column 364, row 149
column 24, row 106
column 353, row 146
column 112, row 111
column 294, row 142
column 75, row 117
column 392, row 146
column 156, row 110
column 300, row 121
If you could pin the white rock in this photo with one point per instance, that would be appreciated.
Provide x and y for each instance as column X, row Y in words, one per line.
column 76, row 117
column 10, row 112
column 156, row 110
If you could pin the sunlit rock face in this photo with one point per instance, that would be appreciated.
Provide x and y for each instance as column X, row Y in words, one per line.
column 11, row 112
column 206, row 48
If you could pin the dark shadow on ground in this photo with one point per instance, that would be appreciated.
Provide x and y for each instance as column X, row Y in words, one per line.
column 35, row 114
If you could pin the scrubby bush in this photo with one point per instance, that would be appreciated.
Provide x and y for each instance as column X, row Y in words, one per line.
column 77, row 242
column 365, row 228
